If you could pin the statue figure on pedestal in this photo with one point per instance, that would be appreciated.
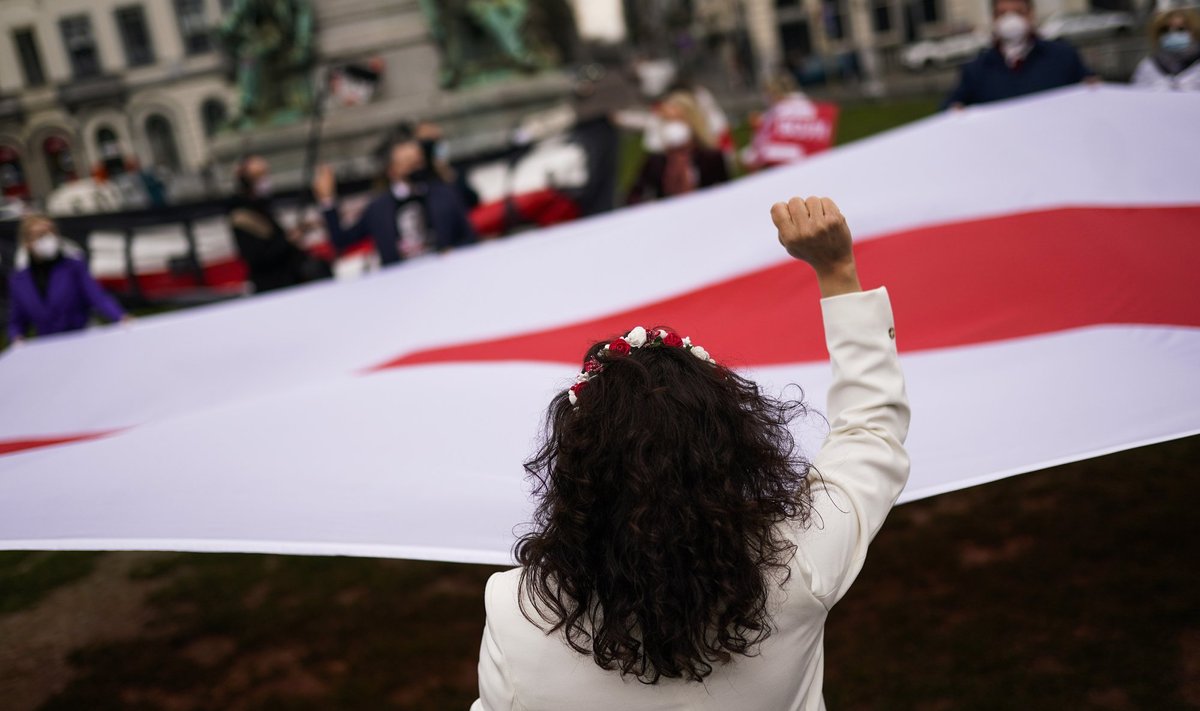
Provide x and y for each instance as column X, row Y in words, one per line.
column 271, row 44
column 481, row 39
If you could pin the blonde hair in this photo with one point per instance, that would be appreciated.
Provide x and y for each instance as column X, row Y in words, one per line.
column 27, row 223
column 693, row 116
column 1163, row 20
column 781, row 85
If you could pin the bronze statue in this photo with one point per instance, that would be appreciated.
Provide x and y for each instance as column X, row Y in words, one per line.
column 271, row 43
column 479, row 39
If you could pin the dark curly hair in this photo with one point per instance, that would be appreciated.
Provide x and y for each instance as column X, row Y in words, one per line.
column 655, row 544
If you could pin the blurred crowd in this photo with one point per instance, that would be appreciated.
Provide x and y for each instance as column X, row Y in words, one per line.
column 423, row 205
column 1020, row 62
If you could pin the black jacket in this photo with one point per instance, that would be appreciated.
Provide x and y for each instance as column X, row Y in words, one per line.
column 274, row 262
column 708, row 162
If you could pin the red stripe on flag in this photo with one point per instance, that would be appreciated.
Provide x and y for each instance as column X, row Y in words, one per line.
column 955, row 284
column 227, row 277
column 10, row 446
column 951, row 285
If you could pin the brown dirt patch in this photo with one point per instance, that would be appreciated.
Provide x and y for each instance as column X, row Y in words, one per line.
column 105, row 606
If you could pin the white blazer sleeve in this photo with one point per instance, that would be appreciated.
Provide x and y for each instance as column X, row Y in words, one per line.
column 495, row 685
column 862, row 466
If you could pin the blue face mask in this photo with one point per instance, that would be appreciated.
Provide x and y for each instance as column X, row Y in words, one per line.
column 1176, row 41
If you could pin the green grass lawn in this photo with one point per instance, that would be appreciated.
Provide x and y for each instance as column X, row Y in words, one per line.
column 865, row 119
column 27, row 576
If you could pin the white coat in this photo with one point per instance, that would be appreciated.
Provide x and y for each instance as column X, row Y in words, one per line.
column 863, row 467
column 1149, row 75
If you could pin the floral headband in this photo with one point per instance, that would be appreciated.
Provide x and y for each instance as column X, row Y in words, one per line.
column 637, row 338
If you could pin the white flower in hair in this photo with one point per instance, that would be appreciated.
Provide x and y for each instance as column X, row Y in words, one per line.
column 662, row 333
column 572, row 397
column 700, row 353
column 636, row 337
column 687, row 341
column 582, row 378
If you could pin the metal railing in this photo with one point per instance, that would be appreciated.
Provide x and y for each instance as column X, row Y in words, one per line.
column 81, row 229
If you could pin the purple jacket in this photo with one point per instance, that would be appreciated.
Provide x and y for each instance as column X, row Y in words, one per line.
column 71, row 294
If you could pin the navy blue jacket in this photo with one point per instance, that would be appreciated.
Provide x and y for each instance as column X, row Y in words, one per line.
column 444, row 210
column 1049, row 65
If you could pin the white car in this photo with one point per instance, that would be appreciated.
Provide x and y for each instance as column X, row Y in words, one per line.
column 941, row 52
column 1088, row 25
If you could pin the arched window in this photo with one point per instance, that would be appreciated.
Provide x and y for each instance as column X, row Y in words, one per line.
column 12, row 174
column 59, row 161
column 109, row 148
column 161, row 138
column 213, row 114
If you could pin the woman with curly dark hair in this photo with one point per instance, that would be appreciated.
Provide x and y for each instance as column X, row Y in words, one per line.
column 683, row 554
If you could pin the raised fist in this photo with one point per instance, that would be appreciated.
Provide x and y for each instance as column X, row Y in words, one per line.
column 814, row 230
column 324, row 185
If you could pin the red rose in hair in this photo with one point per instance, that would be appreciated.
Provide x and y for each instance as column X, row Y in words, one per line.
column 673, row 340
column 619, row 347
column 578, row 387
column 591, row 366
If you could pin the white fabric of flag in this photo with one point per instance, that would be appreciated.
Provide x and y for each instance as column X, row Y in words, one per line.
column 390, row 416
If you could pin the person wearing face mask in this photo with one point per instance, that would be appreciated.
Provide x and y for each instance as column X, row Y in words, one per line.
column 1174, row 63
column 690, row 158
column 450, row 197
column 55, row 292
column 1019, row 63
column 401, row 220
column 272, row 254
column 433, row 147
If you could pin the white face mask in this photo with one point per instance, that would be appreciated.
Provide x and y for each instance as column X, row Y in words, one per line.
column 46, row 246
column 675, row 134
column 1176, row 41
column 262, row 186
column 1011, row 27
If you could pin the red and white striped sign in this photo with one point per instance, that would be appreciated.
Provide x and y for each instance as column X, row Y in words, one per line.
column 791, row 130
column 1041, row 256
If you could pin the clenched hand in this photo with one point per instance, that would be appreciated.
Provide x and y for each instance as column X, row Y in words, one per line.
column 814, row 230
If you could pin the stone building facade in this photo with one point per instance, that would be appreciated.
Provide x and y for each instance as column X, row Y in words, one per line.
column 792, row 31
column 90, row 84
column 86, row 84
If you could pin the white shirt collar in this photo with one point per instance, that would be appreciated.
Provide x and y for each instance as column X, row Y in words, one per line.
column 1015, row 52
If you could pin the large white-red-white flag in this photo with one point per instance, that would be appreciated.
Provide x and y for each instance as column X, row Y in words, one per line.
column 1041, row 256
